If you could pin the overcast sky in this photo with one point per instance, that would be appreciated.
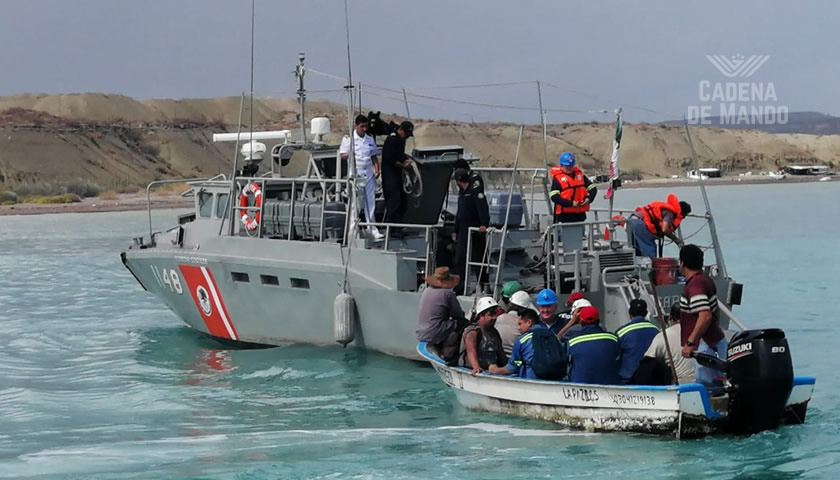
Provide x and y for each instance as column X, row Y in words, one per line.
column 649, row 54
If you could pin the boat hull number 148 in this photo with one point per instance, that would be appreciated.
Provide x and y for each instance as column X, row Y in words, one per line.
column 168, row 278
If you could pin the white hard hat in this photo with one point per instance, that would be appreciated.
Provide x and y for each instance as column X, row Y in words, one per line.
column 523, row 300
column 485, row 303
column 580, row 303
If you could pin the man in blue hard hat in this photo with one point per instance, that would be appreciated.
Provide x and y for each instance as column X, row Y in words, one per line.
column 547, row 305
column 571, row 191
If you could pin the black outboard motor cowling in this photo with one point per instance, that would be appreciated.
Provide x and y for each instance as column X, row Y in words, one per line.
column 760, row 370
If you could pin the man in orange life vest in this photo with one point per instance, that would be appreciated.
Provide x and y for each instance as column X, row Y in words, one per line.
column 571, row 191
column 655, row 221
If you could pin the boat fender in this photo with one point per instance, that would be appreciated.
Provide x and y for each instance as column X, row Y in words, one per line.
column 344, row 326
column 251, row 188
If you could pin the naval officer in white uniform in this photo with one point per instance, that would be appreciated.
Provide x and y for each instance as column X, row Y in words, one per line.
column 367, row 168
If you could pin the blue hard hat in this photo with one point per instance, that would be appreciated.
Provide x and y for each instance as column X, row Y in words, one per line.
column 567, row 159
column 546, row 297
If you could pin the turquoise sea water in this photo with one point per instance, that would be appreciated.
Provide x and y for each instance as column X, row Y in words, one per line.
column 99, row 380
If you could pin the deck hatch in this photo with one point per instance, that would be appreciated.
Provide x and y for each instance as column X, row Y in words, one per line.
column 269, row 280
column 239, row 277
column 299, row 282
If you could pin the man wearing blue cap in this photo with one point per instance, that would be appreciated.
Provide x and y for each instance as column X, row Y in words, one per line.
column 571, row 191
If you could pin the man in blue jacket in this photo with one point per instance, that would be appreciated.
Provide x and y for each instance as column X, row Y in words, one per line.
column 522, row 353
column 634, row 339
column 593, row 351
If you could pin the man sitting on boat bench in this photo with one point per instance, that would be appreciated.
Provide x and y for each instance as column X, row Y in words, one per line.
column 481, row 343
column 440, row 319
column 634, row 339
column 593, row 351
column 522, row 356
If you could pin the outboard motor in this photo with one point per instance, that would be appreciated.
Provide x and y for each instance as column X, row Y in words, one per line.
column 760, row 373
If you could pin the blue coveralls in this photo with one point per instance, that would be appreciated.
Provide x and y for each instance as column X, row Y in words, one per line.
column 634, row 339
column 522, row 354
column 594, row 353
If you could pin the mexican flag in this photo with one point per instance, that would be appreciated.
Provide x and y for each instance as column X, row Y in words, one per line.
column 614, row 172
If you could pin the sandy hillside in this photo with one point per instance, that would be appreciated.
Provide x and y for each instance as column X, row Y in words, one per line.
column 116, row 140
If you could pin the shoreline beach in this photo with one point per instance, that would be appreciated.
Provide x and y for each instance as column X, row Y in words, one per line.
column 133, row 201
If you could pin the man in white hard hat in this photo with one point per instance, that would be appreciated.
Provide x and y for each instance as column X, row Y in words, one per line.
column 573, row 324
column 481, row 344
column 507, row 324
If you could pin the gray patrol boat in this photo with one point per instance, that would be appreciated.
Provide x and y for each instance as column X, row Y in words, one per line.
column 268, row 259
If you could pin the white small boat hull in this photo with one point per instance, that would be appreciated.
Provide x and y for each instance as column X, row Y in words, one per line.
column 681, row 410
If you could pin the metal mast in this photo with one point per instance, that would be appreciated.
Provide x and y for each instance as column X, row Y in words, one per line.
column 300, row 71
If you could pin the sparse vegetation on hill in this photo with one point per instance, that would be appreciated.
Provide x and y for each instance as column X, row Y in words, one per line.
column 86, row 143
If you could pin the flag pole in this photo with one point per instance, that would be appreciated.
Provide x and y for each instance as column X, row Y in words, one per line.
column 614, row 174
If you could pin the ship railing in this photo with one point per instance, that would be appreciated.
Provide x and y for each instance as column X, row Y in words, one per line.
column 499, row 178
column 304, row 184
column 158, row 183
column 429, row 232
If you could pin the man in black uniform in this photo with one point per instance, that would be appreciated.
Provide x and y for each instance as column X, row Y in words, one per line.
column 394, row 159
column 473, row 211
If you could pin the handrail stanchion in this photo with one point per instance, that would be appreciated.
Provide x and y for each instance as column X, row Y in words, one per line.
column 429, row 240
column 162, row 182
column 323, row 210
column 507, row 218
column 557, row 257
column 261, row 211
column 292, row 198
column 467, row 261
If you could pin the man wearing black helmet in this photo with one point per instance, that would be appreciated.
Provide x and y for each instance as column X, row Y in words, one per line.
column 394, row 159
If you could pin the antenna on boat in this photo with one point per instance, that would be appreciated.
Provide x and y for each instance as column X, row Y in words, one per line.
column 542, row 120
column 351, row 160
column 712, row 229
column 300, row 71
column 251, row 122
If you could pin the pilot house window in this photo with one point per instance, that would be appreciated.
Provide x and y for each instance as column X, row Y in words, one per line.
column 221, row 204
column 205, row 204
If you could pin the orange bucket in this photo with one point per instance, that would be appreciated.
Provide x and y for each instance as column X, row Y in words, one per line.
column 665, row 270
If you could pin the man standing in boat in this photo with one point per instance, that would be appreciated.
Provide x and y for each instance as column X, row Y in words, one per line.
column 654, row 221
column 699, row 315
column 394, row 160
column 367, row 168
column 571, row 191
column 473, row 211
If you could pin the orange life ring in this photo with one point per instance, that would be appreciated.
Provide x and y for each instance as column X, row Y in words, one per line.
column 252, row 188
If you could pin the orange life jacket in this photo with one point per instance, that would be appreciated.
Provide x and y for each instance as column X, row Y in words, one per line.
column 651, row 214
column 572, row 187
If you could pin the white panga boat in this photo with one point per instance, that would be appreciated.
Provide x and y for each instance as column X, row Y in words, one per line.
column 684, row 411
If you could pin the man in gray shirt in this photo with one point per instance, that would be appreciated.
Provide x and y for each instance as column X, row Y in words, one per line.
column 440, row 318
